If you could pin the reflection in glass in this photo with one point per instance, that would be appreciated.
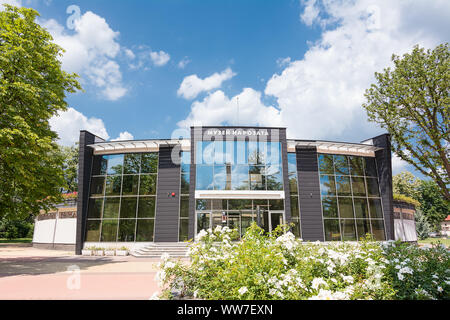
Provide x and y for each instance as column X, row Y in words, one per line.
column 274, row 178
column 326, row 164
column 327, row 186
column 126, row 230
column 348, row 230
column 114, row 164
column 376, row 211
column 204, row 178
column 202, row 221
column 240, row 154
column 341, row 165
column 343, row 186
column 239, row 178
column 295, row 211
column 95, row 208
column 184, row 229
column 356, row 166
column 184, row 206
column 372, row 187
column 293, row 186
column 149, row 163
column 132, row 163
column 128, row 208
column 296, row 230
column 144, row 231
column 346, row 207
column 219, row 204
column 111, row 208
column 257, row 180
column 99, row 165
column 130, row 185
column 109, row 230
column 332, row 232
column 146, row 208
column 148, row 184
column 246, row 220
column 185, row 162
column 97, row 186
column 185, row 178
column 363, row 227
column 93, row 230
column 329, row 207
column 220, row 178
column 370, row 167
column 274, row 154
column 378, row 230
column 203, row 204
column 113, row 184
column 237, row 204
column 359, row 187
column 219, row 152
column 361, row 209
column 276, row 205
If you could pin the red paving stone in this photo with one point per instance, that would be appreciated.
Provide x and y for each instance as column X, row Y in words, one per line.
column 93, row 286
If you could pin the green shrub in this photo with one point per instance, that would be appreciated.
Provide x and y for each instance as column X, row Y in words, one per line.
column 279, row 266
column 15, row 229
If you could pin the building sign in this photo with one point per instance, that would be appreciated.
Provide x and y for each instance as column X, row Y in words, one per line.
column 237, row 132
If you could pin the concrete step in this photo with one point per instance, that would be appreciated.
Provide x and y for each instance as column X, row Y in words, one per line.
column 156, row 250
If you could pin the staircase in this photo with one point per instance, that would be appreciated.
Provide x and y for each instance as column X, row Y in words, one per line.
column 156, row 250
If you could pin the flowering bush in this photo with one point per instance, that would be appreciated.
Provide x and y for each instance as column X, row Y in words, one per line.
column 278, row 266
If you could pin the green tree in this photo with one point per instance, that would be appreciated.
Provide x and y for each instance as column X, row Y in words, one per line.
column 412, row 103
column 33, row 88
column 70, row 167
column 405, row 183
column 435, row 208
column 423, row 228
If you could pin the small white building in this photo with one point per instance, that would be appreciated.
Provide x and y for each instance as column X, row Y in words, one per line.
column 445, row 227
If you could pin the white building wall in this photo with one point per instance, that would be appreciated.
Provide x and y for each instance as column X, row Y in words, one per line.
column 55, row 231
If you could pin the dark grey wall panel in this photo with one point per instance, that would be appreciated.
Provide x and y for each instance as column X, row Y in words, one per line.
column 309, row 194
column 84, row 173
column 167, row 207
column 284, row 160
column 195, row 135
column 384, row 164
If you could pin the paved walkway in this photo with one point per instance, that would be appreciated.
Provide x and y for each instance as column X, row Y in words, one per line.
column 30, row 273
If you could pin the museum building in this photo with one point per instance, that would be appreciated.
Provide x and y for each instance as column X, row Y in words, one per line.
column 168, row 190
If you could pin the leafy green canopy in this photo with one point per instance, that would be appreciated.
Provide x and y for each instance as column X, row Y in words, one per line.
column 412, row 103
column 32, row 90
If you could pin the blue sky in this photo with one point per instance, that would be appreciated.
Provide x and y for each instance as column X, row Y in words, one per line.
column 150, row 67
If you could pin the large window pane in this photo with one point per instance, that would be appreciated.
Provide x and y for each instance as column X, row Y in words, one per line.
column 326, row 164
column 257, row 180
column 184, row 229
column 113, row 184
column 292, row 163
column 343, row 186
column 341, row 165
column 372, row 187
column 148, row 184
column 184, row 207
column 205, row 152
column 332, row 232
column 253, row 154
column 237, row 204
column 327, row 186
column 376, row 211
column 239, row 178
column 346, row 207
column 348, row 230
column 146, row 207
column 132, row 163
column 359, row 187
column 293, row 186
column 276, row 205
column 149, row 163
column 363, row 227
column 203, row 204
column 220, row 178
column 109, row 230
column 296, row 228
column 185, row 162
column 128, row 208
column 185, row 178
column 144, row 231
column 93, row 230
column 361, row 209
column 95, row 208
column 370, row 167
column 130, row 185
column 111, row 208
column 114, row 164
column 99, row 165
column 97, row 186
column 274, row 178
column 202, row 221
column 240, row 154
column 295, row 212
column 126, row 230
column 378, row 230
column 204, row 178
column 273, row 155
column 219, row 204
column 356, row 166
column 219, row 152
column 329, row 207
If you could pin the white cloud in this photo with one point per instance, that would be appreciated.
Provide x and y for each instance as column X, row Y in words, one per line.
column 192, row 85
column 398, row 165
column 320, row 95
column 159, row 58
column 91, row 51
column 283, row 62
column 69, row 123
column 183, row 63
column 217, row 108
column 130, row 54
column 124, row 136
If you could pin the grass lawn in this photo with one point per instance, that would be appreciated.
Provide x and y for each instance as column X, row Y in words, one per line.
column 21, row 240
column 434, row 240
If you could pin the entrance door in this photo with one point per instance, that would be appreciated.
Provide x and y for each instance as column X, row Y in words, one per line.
column 269, row 220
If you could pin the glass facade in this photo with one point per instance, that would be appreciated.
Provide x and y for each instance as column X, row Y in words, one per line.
column 238, row 165
column 293, row 187
column 122, row 198
column 184, row 196
column 351, row 201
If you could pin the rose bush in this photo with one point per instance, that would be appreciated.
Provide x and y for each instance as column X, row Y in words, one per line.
column 279, row 266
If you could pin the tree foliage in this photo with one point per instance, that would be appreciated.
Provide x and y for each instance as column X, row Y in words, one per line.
column 435, row 208
column 33, row 88
column 412, row 103
column 407, row 184
column 423, row 228
column 70, row 167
